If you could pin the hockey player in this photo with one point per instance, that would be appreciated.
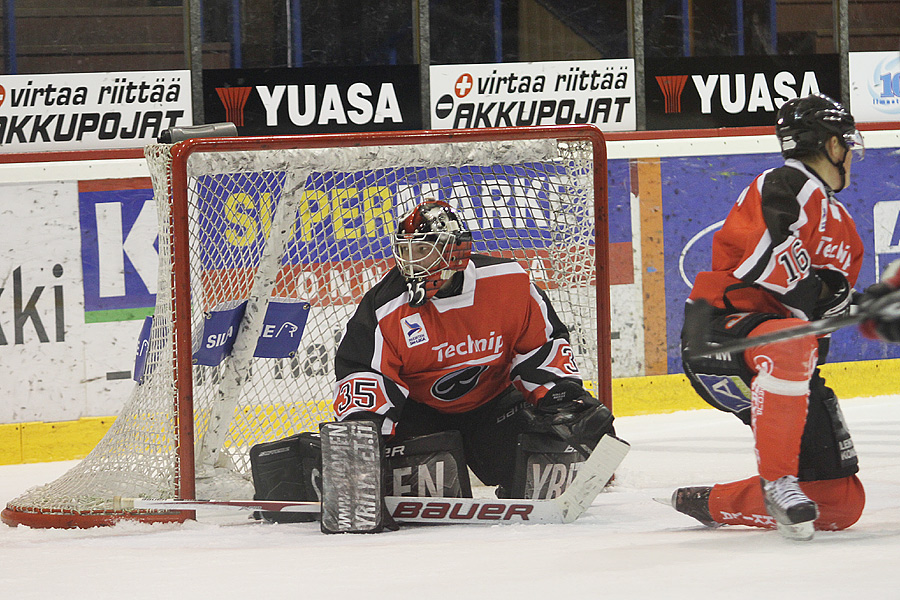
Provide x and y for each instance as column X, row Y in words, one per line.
column 449, row 340
column 787, row 253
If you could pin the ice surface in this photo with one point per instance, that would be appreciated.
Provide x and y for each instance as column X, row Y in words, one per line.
column 626, row 546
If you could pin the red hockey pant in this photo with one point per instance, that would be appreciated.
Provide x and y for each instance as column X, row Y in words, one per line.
column 780, row 394
column 840, row 501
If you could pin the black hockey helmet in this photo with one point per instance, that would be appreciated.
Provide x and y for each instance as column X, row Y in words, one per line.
column 805, row 124
column 430, row 243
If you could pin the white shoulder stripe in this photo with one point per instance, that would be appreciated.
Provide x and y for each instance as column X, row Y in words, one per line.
column 389, row 307
column 498, row 269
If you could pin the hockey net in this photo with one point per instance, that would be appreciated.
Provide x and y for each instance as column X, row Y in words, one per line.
column 266, row 245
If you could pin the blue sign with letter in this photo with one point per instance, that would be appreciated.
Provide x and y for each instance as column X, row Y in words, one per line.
column 219, row 332
column 282, row 329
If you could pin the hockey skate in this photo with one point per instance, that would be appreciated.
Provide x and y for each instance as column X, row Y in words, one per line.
column 694, row 502
column 793, row 512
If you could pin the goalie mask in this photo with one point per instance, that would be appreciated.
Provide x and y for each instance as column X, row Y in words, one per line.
column 806, row 124
column 430, row 244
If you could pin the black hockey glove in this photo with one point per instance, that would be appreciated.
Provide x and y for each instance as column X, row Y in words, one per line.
column 885, row 324
column 569, row 412
column 836, row 296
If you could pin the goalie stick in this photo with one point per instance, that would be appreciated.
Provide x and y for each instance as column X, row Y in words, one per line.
column 698, row 347
column 592, row 476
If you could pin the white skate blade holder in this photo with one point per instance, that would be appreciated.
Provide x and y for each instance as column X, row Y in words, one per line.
column 797, row 532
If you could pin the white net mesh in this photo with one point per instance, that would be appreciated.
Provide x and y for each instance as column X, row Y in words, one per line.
column 307, row 231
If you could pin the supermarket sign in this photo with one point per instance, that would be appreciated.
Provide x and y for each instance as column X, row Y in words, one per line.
column 345, row 220
column 89, row 111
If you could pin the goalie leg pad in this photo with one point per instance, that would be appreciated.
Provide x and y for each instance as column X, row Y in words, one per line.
column 545, row 466
column 353, row 478
column 428, row 465
column 287, row 469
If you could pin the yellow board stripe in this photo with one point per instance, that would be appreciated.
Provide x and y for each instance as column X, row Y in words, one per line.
column 670, row 393
column 34, row 442
column 37, row 441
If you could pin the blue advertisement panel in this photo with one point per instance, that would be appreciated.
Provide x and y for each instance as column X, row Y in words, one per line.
column 282, row 329
column 698, row 192
column 119, row 249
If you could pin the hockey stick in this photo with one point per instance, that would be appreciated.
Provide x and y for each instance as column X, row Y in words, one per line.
column 592, row 476
column 697, row 346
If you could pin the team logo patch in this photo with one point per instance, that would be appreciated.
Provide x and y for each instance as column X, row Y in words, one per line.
column 457, row 384
column 413, row 330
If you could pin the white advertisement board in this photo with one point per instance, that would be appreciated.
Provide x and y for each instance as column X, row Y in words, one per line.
column 875, row 86
column 58, row 362
column 86, row 111
column 599, row 92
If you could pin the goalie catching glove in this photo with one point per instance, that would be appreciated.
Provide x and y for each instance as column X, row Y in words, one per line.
column 569, row 412
column 884, row 325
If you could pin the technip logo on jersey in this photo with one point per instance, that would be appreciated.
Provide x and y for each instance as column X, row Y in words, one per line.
column 414, row 331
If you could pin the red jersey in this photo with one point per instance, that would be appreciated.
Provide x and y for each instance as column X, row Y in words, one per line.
column 785, row 225
column 456, row 352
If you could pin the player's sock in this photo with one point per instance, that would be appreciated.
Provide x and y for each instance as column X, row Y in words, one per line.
column 694, row 502
column 792, row 510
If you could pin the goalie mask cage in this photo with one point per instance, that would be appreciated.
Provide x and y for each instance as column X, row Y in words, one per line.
column 300, row 226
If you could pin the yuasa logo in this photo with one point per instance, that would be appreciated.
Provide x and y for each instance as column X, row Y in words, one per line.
column 414, row 331
column 358, row 104
column 734, row 94
column 2, row 95
column 672, row 86
column 234, row 99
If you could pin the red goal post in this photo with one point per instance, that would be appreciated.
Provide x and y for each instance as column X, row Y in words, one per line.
column 254, row 229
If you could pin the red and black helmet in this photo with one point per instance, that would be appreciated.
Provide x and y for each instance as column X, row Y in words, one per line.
column 430, row 243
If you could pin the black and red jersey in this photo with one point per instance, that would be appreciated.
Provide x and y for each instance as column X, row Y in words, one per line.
column 784, row 225
column 454, row 353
